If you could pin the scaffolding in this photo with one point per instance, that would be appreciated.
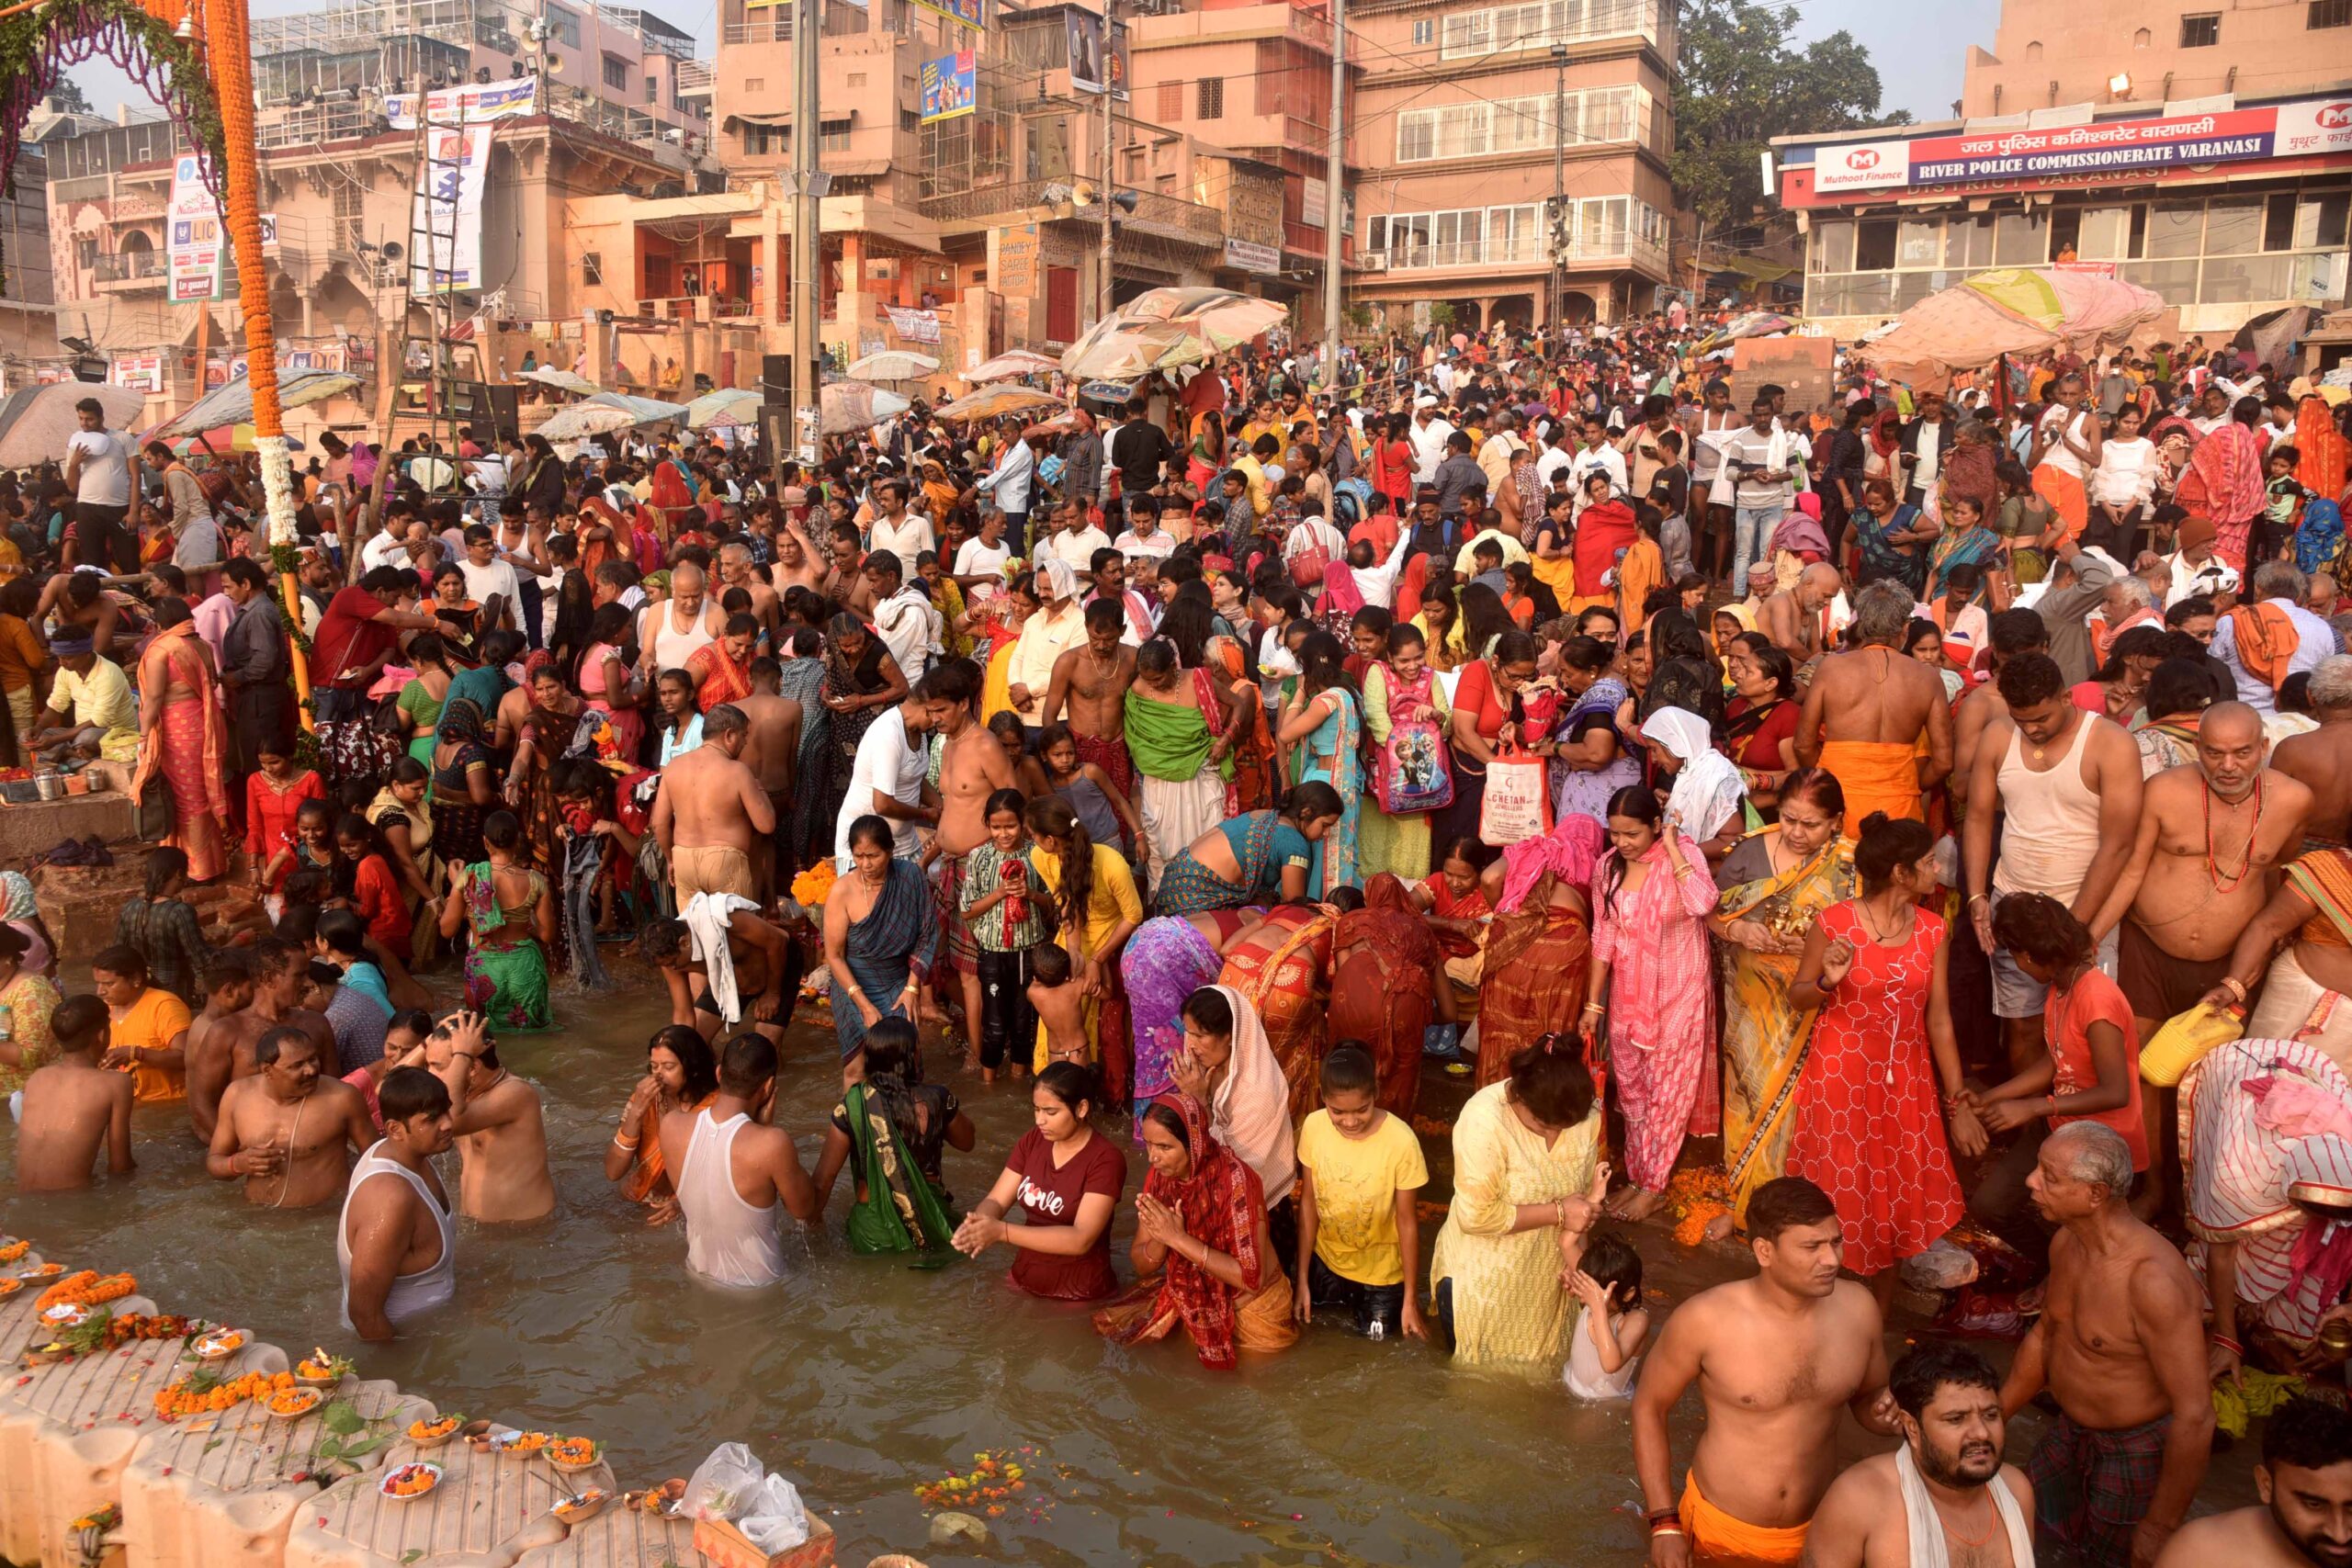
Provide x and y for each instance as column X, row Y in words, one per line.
column 426, row 392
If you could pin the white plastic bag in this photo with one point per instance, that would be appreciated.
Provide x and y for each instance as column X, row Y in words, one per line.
column 773, row 1518
column 726, row 1485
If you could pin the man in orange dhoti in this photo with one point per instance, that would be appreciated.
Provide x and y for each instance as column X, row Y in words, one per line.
column 1866, row 711
column 2065, row 450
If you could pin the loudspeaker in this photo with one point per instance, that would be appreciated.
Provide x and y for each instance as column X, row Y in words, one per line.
column 775, row 378
column 505, row 405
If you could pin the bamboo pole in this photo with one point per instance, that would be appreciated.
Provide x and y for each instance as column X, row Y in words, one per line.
column 229, row 47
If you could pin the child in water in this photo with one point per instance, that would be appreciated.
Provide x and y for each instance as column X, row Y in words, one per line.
column 1604, row 1273
column 1060, row 1005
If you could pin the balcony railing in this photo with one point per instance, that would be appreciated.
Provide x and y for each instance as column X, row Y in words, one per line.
column 343, row 119
column 1527, row 250
column 125, row 266
column 1154, row 213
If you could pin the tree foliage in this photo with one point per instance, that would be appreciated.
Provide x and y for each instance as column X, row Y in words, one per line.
column 1745, row 79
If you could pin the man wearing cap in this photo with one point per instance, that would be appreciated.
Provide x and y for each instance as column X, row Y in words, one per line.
column 2197, row 571
column 90, row 706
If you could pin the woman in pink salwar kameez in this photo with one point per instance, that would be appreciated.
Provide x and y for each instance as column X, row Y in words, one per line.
column 183, row 740
column 1651, row 898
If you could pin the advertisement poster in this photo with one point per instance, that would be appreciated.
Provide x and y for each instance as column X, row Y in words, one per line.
column 450, row 187
column 914, row 326
column 475, row 102
column 968, row 12
column 1116, row 62
column 950, row 85
column 1085, row 33
column 194, row 239
column 140, row 372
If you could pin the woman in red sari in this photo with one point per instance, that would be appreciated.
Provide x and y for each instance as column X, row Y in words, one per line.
column 2324, row 453
column 2223, row 481
column 1539, row 943
column 1279, row 965
column 1202, row 1255
column 1387, row 972
column 721, row 668
column 181, row 737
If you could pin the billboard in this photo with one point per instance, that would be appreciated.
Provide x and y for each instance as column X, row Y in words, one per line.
column 2127, row 148
column 1084, row 31
column 196, row 246
column 474, row 101
column 968, row 12
column 452, row 181
column 950, row 85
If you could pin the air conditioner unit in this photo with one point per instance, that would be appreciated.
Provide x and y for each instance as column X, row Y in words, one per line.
column 1372, row 261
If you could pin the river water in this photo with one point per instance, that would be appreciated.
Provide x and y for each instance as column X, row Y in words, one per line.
column 862, row 1378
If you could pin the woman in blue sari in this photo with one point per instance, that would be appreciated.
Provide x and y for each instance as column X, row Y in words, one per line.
column 881, row 935
column 1590, row 761
column 1965, row 541
column 1323, row 723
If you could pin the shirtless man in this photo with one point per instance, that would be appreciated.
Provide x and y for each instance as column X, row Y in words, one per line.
column 1093, row 680
column 2119, row 1345
column 1947, row 1477
column 2321, row 759
column 496, row 1120
column 285, row 1128
column 1799, row 621
column 2211, row 840
column 663, row 624
column 1775, row 1357
column 771, row 751
column 726, row 1151
column 735, row 570
column 229, row 988
column 280, row 971
column 710, row 809
column 799, row 563
column 1864, row 712
column 72, row 1107
column 972, row 767
column 2305, row 1484
column 760, row 959
column 396, row 1241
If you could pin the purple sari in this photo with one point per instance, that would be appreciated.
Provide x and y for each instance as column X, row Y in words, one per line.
column 1166, row 961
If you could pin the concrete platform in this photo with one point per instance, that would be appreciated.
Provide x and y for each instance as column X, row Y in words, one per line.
column 25, row 831
column 488, row 1511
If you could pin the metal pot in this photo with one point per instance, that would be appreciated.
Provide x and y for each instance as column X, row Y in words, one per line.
column 49, row 784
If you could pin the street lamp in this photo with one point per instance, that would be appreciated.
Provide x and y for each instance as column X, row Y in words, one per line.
column 1559, row 181
column 2119, row 85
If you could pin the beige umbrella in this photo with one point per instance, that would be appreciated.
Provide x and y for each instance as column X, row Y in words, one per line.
column 893, row 365
column 1163, row 328
column 991, row 402
column 851, row 406
column 1006, row 366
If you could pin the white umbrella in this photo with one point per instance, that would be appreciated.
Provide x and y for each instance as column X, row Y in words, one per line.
column 564, row 381
column 893, row 365
column 606, row 413
column 1014, row 362
column 730, row 405
column 37, row 422
column 851, row 406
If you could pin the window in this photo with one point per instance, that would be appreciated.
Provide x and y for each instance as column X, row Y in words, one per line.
column 2330, row 14
column 2020, row 239
column 2142, row 39
column 1542, row 24
column 617, row 73
column 909, row 120
column 2201, row 32
column 756, row 84
column 652, row 91
column 767, row 141
column 592, row 268
column 1210, row 98
column 1425, row 31
column 562, row 26
column 1376, row 233
column 832, row 136
column 857, row 78
column 1171, row 102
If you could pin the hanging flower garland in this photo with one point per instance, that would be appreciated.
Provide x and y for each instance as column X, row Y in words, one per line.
column 37, row 47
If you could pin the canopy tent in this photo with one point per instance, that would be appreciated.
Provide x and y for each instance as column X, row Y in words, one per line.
column 606, row 411
column 37, row 422
column 564, row 381
column 989, row 402
column 233, row 404
column 2010, row 310
column 1009, row 364
column 728, row 405
column 893, row 365
column 1163, row 328
column 851, row 406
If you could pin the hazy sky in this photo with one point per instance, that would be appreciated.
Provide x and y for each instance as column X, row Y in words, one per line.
column 1918, row 49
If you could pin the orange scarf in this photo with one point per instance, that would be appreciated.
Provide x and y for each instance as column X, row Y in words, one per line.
column 178, row 646
column 2324, row 454
column 2267, row 640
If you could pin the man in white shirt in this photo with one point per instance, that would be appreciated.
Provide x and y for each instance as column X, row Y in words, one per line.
column 1597, row 455
column 1494, row 458
column 1143, row 535
column 2197, row 571
column 1763, row 459
column 908, row 622
column 979, row 561
column 1559, row 453
column 2277, row 587
column 97, row 471
column 1378, row 583
column 889, row 779
column 487, row 577
column 1073, row 541
column 902, row 533
column 1429, row 435
column 1008, row 484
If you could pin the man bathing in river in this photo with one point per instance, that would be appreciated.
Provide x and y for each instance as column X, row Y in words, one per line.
column 281, row 970
column 71, row 1109
column 497, row 1122
column 2305, row 1484
column 759, row 963
column 736, row 1175
column 396, row 1242
column 229, row 989
column 2119, row 1345
column 711, row 810
column 1944, row 1496
column 1866, row 712
column 284, row 1128
column 1775, row 1357
column 972, row 767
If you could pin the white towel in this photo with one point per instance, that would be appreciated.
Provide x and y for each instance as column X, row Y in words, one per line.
column 1926, row 1529
column 708, row 917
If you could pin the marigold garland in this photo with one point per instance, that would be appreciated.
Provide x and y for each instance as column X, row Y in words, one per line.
column 200, row 1394
column 87, row 1288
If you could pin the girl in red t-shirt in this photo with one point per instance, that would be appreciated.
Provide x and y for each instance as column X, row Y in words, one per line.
column 1066, row 1179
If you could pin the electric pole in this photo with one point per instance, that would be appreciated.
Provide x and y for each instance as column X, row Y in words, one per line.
column 1334, row 179
column 808, row 243
column 1557, row 303
column 1102, row 304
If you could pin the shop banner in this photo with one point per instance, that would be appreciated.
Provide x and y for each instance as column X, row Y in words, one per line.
column 950, row 85
column 968, row 12
column 1249, row 256
column 140, row 372
column 196, row 244
column 447, row 223
column 474, row 103
column 914, row 326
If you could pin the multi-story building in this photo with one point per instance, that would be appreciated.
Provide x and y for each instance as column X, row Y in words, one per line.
column 27, row 300
column 2206, row 155
column 1460, row 112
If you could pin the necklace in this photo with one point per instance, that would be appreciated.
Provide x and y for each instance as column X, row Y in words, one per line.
column 1992, row 1524
column 1870, row 921
column 2212, row 871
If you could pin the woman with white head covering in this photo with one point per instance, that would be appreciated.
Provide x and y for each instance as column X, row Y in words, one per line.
column 1707, row 787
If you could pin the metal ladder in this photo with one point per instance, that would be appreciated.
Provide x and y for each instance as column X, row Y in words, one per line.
column 446, row 396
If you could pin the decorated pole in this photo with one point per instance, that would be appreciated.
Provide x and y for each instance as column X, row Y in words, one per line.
column 229, row 39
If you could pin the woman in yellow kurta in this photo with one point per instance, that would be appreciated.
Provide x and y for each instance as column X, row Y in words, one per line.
column 1526, row 1163
column 1099, row 912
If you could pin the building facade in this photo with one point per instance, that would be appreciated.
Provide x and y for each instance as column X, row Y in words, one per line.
column 2046, row 54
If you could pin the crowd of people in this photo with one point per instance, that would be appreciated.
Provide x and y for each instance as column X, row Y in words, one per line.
column 1907, row 833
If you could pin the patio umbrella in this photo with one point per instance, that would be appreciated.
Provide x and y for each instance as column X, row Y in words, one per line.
column 989, row 402
column 233, row 404
column 728, row 405
column 893, row 365
column 606, row 413
column 851, row 406
column 564, row 381
column 2009, row 310
column 1163, row 328
column 37, row 422
column 1006, row 366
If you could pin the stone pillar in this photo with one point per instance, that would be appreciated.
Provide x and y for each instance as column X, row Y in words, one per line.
column 1485, row 312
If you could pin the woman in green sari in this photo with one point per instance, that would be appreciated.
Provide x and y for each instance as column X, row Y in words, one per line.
column 511, row 914
column 893, row 1131
column 1774, row 883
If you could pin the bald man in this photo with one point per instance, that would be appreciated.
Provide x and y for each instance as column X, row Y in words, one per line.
column 669, row 631
column 2205, row 858
column 1806, row 623
column 1866, row 711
